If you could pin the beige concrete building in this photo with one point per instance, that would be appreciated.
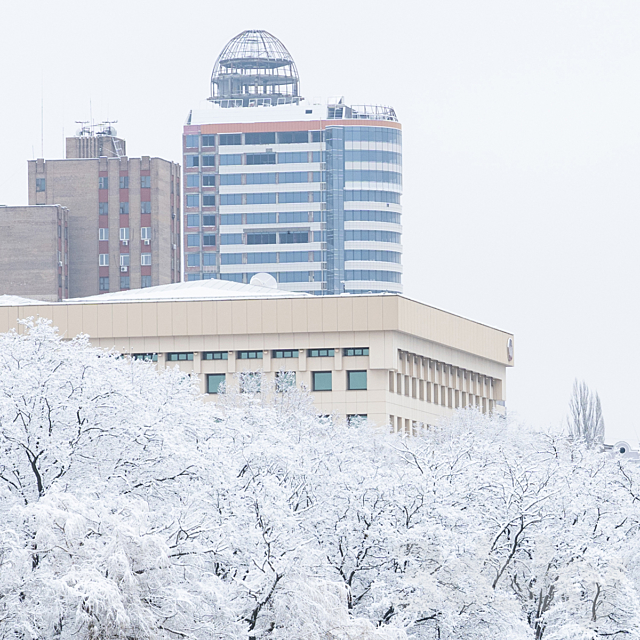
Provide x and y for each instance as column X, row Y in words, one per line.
column 124, row 214
column 383, row 356
column 34, row 252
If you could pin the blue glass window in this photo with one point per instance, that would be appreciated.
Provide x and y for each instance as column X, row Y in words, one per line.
column 370, row 235
column 261, row 218
column 208, row 180
column 231, row 158
column 230, row 138
column 293, row 176
column 193, row 220
column 262, row 258
column 378, row 256
column 231, row 178
column 209, row 259
column 230, row 218
column 193, row 276
column 208, row 161
column 293, row 196
column 209, row 220
column 372, row 155
column 293, row 157
column 208, row 200
column 294, row 276
column 360, row 351
column 372, row 196
column 193, row 200
column 379, row 276
column 208, row 141
column 231, row 238
column 261, row 158
column 215, row 355
column 261, row 198
column 294, row 237
column 294, row 256
column 214, row 382
column 193, row 259
column 293, row 137
column 193, row 179
column 193, row 240
column 373, row 216
column 321, row 380
column 230, row 258
column 191, row 142
column 365, row 175
column 293, row 216
column 261, row 178
column 209, row 239
column 193, row 161
column 261, row 238
column 230, row 199
column 233, row 277
column 356, row 380
column 262, row 137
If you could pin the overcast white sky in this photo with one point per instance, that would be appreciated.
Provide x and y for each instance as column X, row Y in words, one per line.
column 521, row 147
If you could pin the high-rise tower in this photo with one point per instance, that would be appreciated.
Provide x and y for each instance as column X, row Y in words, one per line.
column 273, row 183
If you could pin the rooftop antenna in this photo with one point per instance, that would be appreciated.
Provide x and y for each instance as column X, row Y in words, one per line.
column 42, row 115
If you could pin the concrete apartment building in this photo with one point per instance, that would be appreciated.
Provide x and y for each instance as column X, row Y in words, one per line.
column 307, row 192
column 34, row 252
column 124, row 222
column 394, row 360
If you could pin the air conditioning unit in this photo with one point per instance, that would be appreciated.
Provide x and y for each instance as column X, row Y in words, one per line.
column 124, row 269
column 125, row 242
column 147, row 241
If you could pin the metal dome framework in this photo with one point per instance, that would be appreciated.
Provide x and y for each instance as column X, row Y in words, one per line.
column 254, row 69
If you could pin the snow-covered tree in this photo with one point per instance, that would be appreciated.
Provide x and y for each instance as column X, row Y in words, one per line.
column 585, row 420
column 129, row 508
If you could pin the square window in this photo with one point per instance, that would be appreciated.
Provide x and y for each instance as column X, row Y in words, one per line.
column 193, row 276
column 103, row 234
column 193, row 161
column 145, row 182
column 208, row 201
column 193, row 200
column 209, row 180
column 193, row 220
column 209, row 259
column 214, row 381
column 208, row 220
column 193, row 240
column 191, row 142
column 208, row 141
column 124, row 208
column 209, row 240
column 124, row 182
column 208, row 161
column 40, row 184
column 321, row 380
column 103, row 208
column 193, row 259
column 145, row 282
column 357, row 380
column 193, row 179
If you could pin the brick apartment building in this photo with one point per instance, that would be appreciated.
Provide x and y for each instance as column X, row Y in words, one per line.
column 124, row 213
column 34, row 258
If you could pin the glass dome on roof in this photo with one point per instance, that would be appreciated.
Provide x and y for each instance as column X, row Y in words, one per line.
column 254, row 69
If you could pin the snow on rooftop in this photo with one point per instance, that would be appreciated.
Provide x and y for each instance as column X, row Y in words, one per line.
column 196, row 290
column 17, row 301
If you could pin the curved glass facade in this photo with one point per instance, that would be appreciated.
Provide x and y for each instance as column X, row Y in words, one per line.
column 335, row 203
